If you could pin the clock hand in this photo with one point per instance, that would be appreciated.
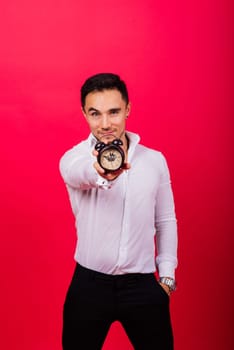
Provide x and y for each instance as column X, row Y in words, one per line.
column 111, row 157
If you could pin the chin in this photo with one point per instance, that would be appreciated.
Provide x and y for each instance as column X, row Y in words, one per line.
column 107, row 138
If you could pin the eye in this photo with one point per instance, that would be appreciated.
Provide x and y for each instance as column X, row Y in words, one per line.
column 115, row 111
column 94, row 114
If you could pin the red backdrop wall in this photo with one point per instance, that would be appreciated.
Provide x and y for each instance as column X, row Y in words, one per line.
column 176, row 59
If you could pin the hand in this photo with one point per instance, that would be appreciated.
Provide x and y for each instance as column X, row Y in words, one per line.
column 111, row 175
column 166, row 288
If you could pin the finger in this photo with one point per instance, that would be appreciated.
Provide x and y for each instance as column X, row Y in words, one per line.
column 95, row 152
column 116, row 173
column 165, row 288
column 126, row 166
column 113, row 174
column 99, row 169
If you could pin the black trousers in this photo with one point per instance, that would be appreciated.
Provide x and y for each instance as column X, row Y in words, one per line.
column 95, row 300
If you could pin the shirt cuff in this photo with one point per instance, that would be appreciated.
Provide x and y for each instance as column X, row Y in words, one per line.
column 103, row 183
column 166, row 269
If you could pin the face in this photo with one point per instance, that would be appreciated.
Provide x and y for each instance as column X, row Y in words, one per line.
column 106, row 113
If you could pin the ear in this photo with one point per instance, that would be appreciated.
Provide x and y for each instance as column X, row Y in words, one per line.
column 128, row 109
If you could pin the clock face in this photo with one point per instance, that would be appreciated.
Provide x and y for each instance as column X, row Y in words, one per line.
column 111, row 158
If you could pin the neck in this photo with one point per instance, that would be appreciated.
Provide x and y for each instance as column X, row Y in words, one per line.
column 127, row 141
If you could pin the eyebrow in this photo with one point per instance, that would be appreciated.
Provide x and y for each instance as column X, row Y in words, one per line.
column 115, row 109
column 92, row 109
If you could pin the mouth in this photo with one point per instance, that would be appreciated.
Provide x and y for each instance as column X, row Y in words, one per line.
column 107, row 135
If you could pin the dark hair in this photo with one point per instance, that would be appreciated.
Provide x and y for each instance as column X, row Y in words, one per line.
column 104, row 81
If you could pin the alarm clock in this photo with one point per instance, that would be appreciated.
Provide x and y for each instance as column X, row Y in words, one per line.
column 111, row 155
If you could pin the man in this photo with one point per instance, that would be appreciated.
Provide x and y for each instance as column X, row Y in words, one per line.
column 118, row 215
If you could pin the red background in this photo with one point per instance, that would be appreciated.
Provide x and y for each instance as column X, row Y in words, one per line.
column 176, row 59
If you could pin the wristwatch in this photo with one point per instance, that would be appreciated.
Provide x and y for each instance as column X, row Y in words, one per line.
column 168, row 281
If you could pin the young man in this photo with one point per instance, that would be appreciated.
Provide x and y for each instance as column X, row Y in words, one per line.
column 118, row 215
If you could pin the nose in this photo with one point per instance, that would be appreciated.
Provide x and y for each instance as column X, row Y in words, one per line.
column 105, row 123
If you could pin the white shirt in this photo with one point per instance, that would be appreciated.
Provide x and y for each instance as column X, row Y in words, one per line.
column 116, row 221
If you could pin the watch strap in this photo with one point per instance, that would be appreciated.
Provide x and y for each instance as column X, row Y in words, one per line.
column 168, row 281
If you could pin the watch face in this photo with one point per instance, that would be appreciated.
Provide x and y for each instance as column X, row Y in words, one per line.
column 111, row 158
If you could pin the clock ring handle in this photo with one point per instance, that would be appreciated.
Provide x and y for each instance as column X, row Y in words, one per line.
column 99, row 145
column 117, row 142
